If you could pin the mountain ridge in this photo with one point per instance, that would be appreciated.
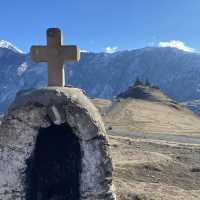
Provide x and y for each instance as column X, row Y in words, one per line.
column 106, row 75
column 7, row 45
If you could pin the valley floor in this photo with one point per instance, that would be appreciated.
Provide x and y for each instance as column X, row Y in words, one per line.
column 162, row 163
column 146, row 169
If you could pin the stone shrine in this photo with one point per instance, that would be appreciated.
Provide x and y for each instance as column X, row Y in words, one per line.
column 53, row 145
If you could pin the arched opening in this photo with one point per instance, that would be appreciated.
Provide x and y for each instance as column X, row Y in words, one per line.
column 53, row 170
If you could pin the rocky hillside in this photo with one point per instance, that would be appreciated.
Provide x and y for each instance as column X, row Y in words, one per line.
column 145, row 93
column 143, row 109
column 105, row 75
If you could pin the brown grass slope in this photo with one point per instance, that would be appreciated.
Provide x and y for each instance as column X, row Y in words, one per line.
column 148, row 110
column 155, row 145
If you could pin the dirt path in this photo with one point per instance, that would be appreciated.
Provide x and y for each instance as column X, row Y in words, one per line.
column 187, row 139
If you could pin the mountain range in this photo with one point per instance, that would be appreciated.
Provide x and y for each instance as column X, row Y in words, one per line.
column 105, row 75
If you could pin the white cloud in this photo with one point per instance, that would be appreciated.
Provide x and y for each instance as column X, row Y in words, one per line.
column 176, row 44
column 111, row 49
column 84, row 51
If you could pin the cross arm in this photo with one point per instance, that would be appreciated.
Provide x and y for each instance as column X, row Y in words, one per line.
column 70, row 53
column 39, row 53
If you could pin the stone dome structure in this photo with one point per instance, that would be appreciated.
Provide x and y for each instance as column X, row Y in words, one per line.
column 53, row 146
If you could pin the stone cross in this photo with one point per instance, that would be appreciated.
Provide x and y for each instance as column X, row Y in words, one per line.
column 55, row 53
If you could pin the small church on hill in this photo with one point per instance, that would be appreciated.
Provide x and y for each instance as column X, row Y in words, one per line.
column 53, row 143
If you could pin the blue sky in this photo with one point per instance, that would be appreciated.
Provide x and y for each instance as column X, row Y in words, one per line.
column 96, row 25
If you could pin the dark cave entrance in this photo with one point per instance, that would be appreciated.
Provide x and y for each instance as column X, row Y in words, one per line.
column 53, row 170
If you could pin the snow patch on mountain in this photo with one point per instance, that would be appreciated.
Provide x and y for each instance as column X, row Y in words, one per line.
column 22, row 68
column 7, row 45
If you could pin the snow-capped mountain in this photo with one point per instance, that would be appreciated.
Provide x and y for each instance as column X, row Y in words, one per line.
column 106, row 75
column 7, row 45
